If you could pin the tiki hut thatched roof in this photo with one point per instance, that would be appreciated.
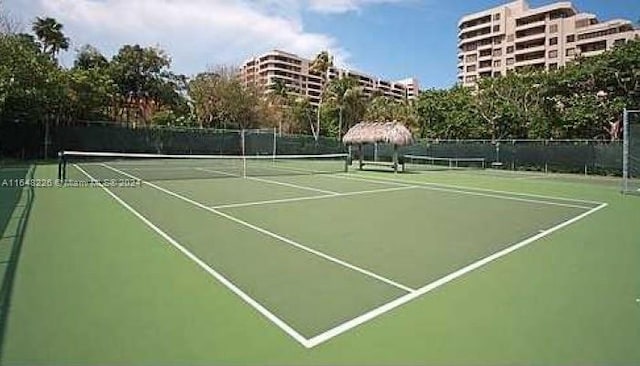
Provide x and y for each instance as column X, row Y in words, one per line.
column 394, row 133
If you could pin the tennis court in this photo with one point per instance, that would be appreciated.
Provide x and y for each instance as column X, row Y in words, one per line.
column 316, row 253
column 331, row 266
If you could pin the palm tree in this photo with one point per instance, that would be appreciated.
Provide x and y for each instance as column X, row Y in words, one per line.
column 280, row 94
column 321, row 64
column 49, row 32
column 345, row 94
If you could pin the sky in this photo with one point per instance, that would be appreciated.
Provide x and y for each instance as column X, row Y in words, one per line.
column 391, row 39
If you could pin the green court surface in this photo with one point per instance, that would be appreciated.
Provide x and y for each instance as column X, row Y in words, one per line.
column 447, row 267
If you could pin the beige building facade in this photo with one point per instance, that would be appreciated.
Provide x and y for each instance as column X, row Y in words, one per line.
column 515, row 36
column 300, row 80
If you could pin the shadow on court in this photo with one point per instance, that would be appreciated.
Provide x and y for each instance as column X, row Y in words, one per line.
column 15, row 206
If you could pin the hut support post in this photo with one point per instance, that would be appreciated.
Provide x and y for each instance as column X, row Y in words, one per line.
column 395, row 158
column 360, row 157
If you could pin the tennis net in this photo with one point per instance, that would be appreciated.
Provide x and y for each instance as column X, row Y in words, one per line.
column 415, row 162
column 106, row 166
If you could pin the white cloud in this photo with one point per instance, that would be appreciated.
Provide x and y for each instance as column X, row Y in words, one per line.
column 343, row 6
column 196, row 33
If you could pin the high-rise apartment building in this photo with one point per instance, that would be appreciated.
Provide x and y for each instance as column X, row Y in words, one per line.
column 296, row 73
column 515, row 36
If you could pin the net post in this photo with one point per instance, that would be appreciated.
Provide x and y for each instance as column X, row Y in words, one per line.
column 395, row 159
column 60, row 165
column 275, row 143
column 244, row 155
column 625, row 151
column 346, row 162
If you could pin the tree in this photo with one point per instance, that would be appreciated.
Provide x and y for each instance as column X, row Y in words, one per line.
column 345, row 95
column 89, row 57
column 279, row 100
column 33, row 85
column 50, row 35
column 321, row 65
column 301, row 115
column 145, row 83
column 222, row 100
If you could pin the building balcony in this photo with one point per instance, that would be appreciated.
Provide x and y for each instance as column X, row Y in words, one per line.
column 540, row 23
column 530, row 62
column 474, row 28
column 525, row 51
column 484, row 69
column 531, row 37
column 475, row 38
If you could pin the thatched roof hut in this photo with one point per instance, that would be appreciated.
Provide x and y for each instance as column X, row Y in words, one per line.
column 393, row 133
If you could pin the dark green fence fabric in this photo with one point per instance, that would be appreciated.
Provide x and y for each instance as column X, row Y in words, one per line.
column 25, row 141
column 592, row 157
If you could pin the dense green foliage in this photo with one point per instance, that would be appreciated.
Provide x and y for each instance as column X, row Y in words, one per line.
column 583, row 100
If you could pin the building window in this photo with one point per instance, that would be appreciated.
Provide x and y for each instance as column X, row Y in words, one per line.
column 511, row 61
column 510, row 49
column 471, row 68
column 496, row 16
column 498, row 40
column 472, row 58
column 497, row 63
column 619, row 42
column 497, row 74
column 471, row 79
column 571, row 38
column 553, row 54
column 553, row 41
column 553, row 66
column 582, row 23
column 553, row 28
column 510, row 38
column 571, row 52
column 497, row 52
column 496, row 28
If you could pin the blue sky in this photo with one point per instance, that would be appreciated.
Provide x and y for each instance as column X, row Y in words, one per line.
column 389, row 38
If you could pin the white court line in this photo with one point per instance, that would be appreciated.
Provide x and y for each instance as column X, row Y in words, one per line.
column 323, row 337
column 269, row 233
column 529, row 177
column 470, row 191
column 413, row 294
column 253, row 303
column 290, row 185
column 498, row 191
column 296, row 199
